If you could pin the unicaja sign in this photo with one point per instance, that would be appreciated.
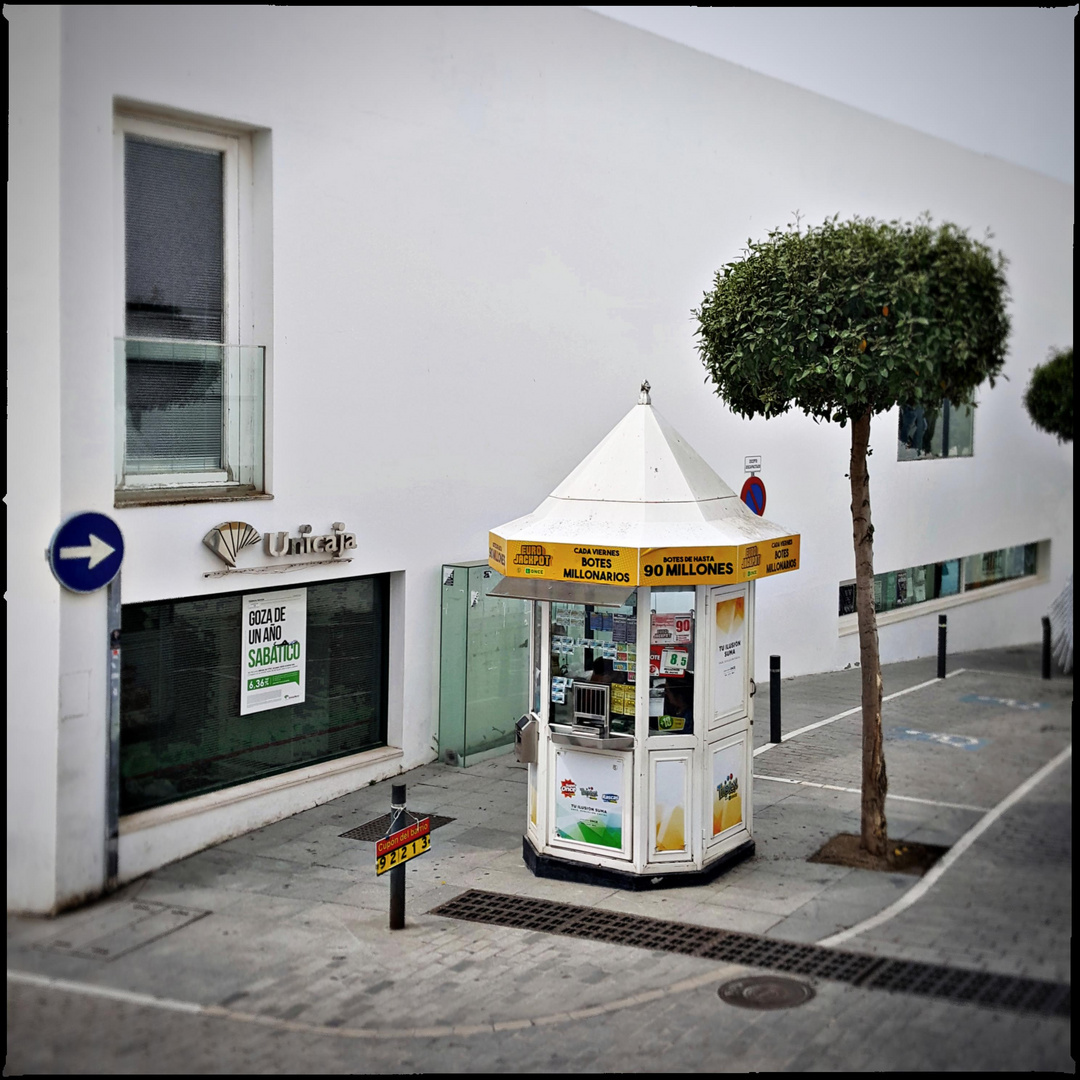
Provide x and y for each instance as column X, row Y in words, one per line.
column 333, row 543
column 229, row 538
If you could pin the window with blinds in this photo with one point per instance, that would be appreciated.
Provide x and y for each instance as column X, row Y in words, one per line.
column 189, row 386
column 174, row 229
column 181, row 732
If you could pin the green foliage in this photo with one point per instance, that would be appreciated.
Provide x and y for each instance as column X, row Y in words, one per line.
column 852, row 316
column 1049, row 398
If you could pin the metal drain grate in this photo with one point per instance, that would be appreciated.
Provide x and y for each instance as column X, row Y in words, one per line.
column 376, row 830
column 870, row 972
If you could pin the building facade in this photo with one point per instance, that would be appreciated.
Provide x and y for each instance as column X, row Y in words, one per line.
column 307, row 301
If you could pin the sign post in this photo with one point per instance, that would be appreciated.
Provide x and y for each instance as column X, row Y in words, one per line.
column 397, row 875
column 401, row 843
column 84, row 556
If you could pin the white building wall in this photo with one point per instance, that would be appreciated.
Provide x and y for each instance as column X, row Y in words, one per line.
column 488, row 225
column 33, row 454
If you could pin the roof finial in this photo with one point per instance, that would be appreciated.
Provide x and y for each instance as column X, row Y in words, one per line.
column 643, row 397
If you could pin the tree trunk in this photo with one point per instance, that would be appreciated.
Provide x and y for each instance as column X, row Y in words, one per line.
column 874, row 783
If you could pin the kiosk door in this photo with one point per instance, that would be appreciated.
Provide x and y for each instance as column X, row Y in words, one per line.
column 726, row 764
column 730, row 611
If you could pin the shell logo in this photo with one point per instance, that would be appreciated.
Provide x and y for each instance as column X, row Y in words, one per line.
column 229, row 538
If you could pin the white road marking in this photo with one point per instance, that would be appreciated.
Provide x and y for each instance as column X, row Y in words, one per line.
column 127, row 996
column 935, row 872
column 858, row 791
column 695, row 982
column 849, row 712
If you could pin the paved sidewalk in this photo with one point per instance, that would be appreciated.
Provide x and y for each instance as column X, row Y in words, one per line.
column 274, row 953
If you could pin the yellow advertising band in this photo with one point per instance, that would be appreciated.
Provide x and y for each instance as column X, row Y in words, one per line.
column 596, row 564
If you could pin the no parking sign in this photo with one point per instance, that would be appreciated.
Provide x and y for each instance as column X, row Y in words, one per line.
column 753, row 494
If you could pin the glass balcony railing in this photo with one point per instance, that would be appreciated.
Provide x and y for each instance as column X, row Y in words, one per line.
column 189, row 413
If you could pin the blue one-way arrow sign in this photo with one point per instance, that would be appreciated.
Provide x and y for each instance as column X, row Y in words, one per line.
column 86, row 552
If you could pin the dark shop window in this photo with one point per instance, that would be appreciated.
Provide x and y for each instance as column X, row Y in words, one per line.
column 932, row 581
column 181, row 732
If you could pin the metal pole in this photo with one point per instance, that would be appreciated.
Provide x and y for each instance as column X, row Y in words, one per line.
column 397, row 875
column 774, row 699
column 112, row 749
column 941, row 621
column 1046, row 647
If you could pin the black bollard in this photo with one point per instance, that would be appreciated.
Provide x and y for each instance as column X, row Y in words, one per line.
column 774, row 699
column 1046, row 647
column 941, row 621
column 397, row 875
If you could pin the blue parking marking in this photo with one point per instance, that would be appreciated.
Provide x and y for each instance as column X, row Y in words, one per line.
column 958, row 742
column 1010, row 703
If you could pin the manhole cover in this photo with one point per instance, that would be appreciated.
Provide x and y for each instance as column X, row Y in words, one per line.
column 766, row 992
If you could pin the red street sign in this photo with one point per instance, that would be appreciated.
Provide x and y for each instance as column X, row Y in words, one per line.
column 403, row 837
column 753, row 494
column 400, row 847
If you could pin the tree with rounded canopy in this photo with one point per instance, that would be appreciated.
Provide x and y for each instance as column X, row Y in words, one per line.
column 1049, row 397
column 845, row 320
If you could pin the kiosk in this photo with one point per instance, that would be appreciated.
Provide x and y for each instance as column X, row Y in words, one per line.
column 641, row 566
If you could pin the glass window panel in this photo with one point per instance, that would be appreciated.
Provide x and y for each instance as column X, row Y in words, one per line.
column 916, row 432
column 985, row 569
column 497, row 658
column 174, row 412
column 595, row 645
column 888, row 591
column 923, row 432
column 961, row 430
column 174, row 241
column 671, row 660
column 1030, row 558
column 949, row 579
column 902, row 590
column 931, row 441
column 847, row 599
column 995, row 564
column 918, row 588
column 1014, row 562
column 974, row 572
column 538, row 648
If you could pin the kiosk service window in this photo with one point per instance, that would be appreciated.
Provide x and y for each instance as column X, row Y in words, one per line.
column 671, row 661
column 594, row 646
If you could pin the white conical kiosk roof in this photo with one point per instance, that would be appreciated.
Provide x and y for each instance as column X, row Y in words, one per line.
column 642, row 506
column 643, row 459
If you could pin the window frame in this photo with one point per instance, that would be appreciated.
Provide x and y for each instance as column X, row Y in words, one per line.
column 241, row 472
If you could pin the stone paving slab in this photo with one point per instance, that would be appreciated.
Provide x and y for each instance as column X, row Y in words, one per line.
column 296, row 956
